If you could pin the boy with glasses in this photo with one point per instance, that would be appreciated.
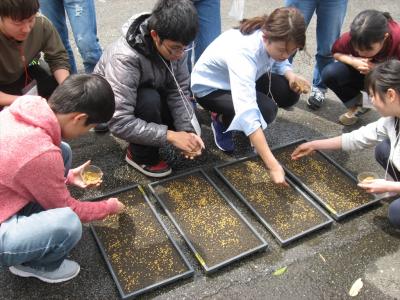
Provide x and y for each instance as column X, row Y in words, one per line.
column 147, row 69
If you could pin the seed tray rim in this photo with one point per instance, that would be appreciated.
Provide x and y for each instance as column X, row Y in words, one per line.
column 337, row 216
column 208, row 269
column 282, row 242
column 124, row 296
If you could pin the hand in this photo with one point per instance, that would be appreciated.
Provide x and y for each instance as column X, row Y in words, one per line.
column 299, row 85
column 303, row 150
column 363, row 65
column 191, row 155
column 277, row 175
column 379, row 186
column 75, row 178
column 120, row 205
column 186, row 141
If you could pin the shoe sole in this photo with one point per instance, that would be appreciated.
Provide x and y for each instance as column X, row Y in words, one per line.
column 143, row 171
column 215, row 139
column 21, row 273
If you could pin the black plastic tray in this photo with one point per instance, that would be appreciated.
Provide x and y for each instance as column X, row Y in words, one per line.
column 203, row 203
column 251, row 178
column 162, row 234
column 339, row 175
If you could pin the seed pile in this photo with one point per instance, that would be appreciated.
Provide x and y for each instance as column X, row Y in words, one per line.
column 337, row 190
column 284, row 209
column 137, row 246
column 213, row 227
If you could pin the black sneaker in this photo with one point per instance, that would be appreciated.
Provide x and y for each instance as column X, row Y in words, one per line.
column 316, row 99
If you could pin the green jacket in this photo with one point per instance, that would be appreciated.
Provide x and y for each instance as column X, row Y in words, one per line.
column 43, row 38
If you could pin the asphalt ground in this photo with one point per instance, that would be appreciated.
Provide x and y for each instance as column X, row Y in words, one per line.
column 323, row 265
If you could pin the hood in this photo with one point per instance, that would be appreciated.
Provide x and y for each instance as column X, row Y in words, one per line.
column 137, row 34
column 35, row 112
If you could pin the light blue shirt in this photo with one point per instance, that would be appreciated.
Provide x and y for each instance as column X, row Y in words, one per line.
column 234, row 62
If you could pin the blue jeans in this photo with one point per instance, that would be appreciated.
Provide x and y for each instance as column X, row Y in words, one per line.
column 382, row 152
column 209, row 12
column 330, row 17
column 38, row 238
column 82, row 17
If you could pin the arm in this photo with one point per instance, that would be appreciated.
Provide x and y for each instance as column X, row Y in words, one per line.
column 54, row 51
column 43, row 180
column 257, row 138
column 7, row 99
column 60, row 75
column 310, row 147
column 123, row 72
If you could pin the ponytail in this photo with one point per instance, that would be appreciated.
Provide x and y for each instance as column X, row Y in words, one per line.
column 283, row 24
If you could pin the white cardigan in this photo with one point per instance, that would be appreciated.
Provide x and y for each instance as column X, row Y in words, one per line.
column 373, row 133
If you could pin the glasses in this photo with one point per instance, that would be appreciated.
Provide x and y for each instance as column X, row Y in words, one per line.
column 177, row 50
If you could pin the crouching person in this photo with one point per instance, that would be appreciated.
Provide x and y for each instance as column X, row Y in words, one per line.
column 39, row 220
column 147, row 69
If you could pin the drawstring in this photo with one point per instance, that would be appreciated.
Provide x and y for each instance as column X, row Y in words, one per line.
column 23, row 59
column 184, row 99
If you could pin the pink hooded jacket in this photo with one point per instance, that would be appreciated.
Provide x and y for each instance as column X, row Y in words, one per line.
column 31, row 165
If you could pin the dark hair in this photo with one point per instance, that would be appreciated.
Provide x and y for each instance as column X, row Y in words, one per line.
column 18, row 10
column 383, row 77
column 369, row 27
column 283, row 24
column 86, row 93
column 175, row 20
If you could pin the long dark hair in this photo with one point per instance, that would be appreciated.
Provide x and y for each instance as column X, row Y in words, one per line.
column 369, row 27
column 283, row 24
column 383, row 77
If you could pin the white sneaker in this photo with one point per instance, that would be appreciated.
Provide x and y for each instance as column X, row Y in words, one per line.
column 66, row 271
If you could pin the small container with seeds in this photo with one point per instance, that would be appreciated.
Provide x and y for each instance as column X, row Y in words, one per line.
column 367, row 177
column 91, row 174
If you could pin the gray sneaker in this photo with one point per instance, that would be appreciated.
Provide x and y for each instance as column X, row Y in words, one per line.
column 316, row 99
column 68, row 270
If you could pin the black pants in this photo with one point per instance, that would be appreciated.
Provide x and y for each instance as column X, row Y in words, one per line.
column 345, row 81
column 221, row 102
column 151, row 107
column 382, row 152
column 46, row 83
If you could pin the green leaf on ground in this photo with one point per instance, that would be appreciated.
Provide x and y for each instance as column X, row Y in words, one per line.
column 279, row 271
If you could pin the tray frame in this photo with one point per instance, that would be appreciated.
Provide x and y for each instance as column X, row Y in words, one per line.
column 208, row 269
column 337, row 216
column 123, row 295
column 282, row 242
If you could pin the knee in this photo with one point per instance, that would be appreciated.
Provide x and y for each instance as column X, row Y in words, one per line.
column 394, row 213
column 329, row 74
column 68, row 226
column 382, row 152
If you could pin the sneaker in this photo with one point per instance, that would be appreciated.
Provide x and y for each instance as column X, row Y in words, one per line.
column 223, row 140
column 352, row 115
column 66, row 271
column 161, row 169
column 101, row 127
column 316, row 99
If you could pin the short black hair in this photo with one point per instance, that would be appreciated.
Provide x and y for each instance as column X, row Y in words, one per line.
column 175, row 20
column 18, row 10
column 383, row 77
column 369, row 27
column 86, row 93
